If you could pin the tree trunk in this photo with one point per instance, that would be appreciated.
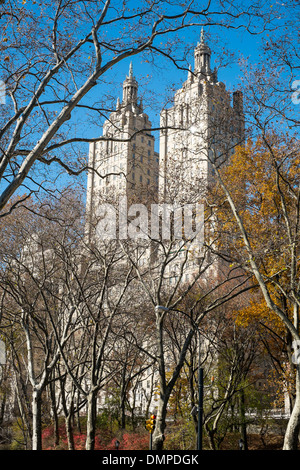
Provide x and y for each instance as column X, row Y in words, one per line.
column 54, row 412
column 122, row 409
column 36, row 420
column 69, row 431
column 165, row 389
column 211, row 438
column 158, row 435
column 292, row 431
column 26, row 423
column 91, row 421
column 243, row 419
column 78, row 423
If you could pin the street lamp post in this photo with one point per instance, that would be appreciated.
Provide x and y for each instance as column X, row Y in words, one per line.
column 200, row 379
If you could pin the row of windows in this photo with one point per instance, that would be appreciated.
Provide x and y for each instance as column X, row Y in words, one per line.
column 142, row 157
column 133, row 166
column 117, row 157
column 141, row 178
column 120, row 159
column 108, row 179
column 115, row 147
column 174, row 280
column 118, row 169
column 142, row 140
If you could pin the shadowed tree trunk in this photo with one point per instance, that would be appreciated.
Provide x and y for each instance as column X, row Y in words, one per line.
column 291, row 438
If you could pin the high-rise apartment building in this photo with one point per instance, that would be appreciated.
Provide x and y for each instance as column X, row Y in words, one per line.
column 203, row 124
column 124, row 163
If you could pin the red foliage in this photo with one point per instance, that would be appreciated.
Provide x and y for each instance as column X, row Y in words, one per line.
column 129, row 441
column 134, row 441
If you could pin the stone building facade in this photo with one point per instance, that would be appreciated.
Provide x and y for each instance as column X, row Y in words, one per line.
column 125, row 161
column 202, row 125
column 205, row 123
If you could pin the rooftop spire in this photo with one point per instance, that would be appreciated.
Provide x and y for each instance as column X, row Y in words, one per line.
column 202, row 35
column 202, row 55
column 130, row 70
column 130, row 88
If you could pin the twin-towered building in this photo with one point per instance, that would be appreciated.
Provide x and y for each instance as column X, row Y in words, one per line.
column 204, row 123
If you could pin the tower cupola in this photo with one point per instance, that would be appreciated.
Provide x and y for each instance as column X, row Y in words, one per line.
column 130, row 88
column 202, row 56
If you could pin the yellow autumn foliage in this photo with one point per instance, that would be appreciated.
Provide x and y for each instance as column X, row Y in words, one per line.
column 258, row 311
column 263, row 179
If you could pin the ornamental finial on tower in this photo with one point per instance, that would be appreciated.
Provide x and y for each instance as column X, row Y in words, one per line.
column 130, row 70
column 130, row 88
column 202, row 55
column 202, row 36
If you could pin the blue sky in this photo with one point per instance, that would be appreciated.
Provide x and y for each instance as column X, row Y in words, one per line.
column 155, row 81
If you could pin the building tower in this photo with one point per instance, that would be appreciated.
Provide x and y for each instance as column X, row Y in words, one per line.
column 124, row 162
column 202, row 124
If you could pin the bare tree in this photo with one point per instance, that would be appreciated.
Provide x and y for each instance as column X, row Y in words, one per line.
column 168, row 295
column 56, row 54
column 40, row 323
column 257, row 250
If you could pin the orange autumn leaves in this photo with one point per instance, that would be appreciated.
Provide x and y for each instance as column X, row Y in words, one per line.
column 263, row 179
column 258, row 312
column 252, row 179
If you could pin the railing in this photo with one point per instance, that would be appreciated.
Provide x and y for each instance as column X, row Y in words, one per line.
column 274, row 413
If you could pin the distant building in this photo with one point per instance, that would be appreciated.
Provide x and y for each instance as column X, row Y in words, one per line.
column 205, row 123
column 202, row 125
column 125, row 162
